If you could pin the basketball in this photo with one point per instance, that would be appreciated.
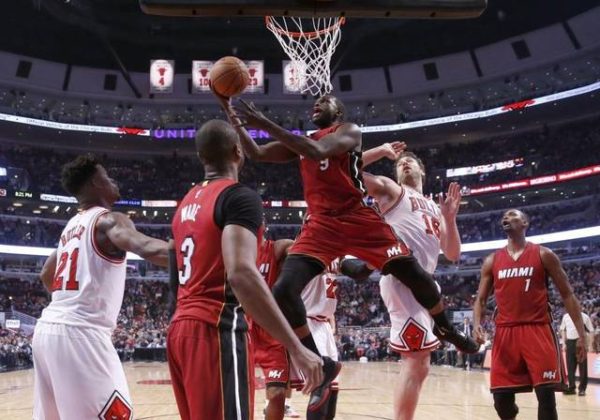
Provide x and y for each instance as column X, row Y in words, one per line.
column 229, row 76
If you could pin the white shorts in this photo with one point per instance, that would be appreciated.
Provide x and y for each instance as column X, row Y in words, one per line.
column 78, row 375
column 412, row 326
column 325, row 340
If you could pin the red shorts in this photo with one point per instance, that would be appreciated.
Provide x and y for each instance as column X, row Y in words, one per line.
column 361, row 232
column 526, row 356
column 271, row 356
column 212, row 371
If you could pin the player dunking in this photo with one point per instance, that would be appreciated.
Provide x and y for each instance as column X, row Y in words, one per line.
column 526, row 353
column 216, row 233
column 78, row 374
column 270, row 355
column 339, row 222
column 426, row 227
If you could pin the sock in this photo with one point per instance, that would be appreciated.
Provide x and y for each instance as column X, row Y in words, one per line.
column 442, row 321
column 310, row 344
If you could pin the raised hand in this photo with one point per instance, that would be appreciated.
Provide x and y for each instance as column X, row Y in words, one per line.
column 394, row 149
column 250, row 115
column 450, row 204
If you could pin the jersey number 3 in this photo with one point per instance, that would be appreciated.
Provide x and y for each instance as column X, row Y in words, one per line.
column 72, row 283
column 187, row 250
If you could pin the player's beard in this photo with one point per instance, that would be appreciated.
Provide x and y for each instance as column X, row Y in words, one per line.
column 323, row 120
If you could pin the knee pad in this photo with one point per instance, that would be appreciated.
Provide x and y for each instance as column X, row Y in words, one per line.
column 546, row 403
column 420, row 282
column 505, row 405
column 296, row 273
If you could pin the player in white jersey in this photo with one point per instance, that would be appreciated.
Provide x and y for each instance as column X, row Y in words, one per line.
column 320, row 299
column 78, row 374
column 426, row 227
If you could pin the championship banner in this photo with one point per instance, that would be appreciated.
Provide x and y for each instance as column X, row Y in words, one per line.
column 200, row 73
column 161, row 76
column 201, row 76
column 294, row 77
column 256, row 69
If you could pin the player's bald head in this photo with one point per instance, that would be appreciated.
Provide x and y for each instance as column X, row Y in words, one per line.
column 217, row 143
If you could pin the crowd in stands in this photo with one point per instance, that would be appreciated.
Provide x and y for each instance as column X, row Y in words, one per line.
column 169, row 177
column 361, row 317
column 473, row 227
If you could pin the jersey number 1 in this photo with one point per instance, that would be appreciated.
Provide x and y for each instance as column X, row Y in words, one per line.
column 72, row 283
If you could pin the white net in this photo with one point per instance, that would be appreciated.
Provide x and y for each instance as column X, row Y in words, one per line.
column 310, row 44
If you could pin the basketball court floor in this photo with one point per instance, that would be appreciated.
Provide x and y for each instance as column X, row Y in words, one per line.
column 366, row 393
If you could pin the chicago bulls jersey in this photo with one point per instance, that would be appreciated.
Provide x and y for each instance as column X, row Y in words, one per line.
column 88, row 286
column 319, row 296
column 416, row 220
column 334, row 184
column 204, row 292
column 521, row 287
column 267, row 262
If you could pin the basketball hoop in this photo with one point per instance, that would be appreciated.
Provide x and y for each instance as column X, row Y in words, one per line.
column 310, row 44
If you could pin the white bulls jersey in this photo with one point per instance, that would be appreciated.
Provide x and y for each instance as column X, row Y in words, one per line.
column 319, row 296
column 416, row 220
column 88, row 286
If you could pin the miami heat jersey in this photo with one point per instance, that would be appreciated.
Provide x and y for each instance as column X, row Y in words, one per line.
column 521, row 287
column 268, row 266
column 416, row 220
column 204, row 293
column 88, row 286
column 319, row 296
column 334, row 184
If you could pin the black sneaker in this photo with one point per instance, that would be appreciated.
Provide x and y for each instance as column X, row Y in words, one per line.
column 581, row 393
column 569, row 391
column 320, row 395
column 459, row 339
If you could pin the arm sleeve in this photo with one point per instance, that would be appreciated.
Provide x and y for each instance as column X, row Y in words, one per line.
column 239, row 205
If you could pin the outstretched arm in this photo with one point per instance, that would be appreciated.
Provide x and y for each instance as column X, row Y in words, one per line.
column 273, row 151
column 239, row 256
column 120, row 230
column 485, row 287
column 449, row 235
column 391, row 151
column 561, row 281
column 347, row 137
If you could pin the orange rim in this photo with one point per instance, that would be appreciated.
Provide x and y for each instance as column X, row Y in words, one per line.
column 269, row 22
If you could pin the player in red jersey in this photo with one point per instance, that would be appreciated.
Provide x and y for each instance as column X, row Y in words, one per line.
column 525, row 353
column 269, row 354
column 339, row 221
column 216, row 231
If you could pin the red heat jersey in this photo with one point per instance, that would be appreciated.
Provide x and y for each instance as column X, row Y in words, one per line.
column 204, row 293
column 521, row 287
column 267, row 263
column 334, row 184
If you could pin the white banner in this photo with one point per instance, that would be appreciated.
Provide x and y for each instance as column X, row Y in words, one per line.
column 294, row 77
column 200, row 75
column 256, row 69
column 161, row 76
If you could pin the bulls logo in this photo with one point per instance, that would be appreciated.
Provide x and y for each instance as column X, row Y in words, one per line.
column 413, row 335
column 117, row 408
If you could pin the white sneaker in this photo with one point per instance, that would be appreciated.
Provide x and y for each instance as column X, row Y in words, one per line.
column 290, row 412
